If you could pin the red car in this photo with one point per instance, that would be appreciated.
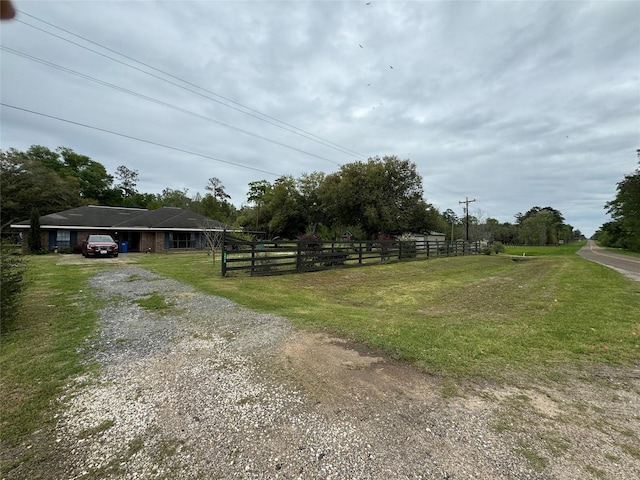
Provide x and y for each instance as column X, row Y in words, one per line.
column 99, row 246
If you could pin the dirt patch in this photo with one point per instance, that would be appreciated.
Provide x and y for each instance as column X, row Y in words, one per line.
column 586, row 425
column 345, row 375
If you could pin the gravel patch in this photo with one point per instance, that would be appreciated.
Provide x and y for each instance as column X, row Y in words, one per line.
column 206, row 389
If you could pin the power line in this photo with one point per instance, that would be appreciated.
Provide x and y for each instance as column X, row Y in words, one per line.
column 160, row 102
column 138, row 139
column 281, row 124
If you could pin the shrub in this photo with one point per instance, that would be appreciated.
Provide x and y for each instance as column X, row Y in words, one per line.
column 310, row 245
column 11, row 285
column 495, row 247
column 407, row 244
column 385, row 242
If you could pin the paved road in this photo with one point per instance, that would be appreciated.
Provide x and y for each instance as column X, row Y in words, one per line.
column 625, row 264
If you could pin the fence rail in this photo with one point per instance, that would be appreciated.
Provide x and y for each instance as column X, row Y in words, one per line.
column 279, row 258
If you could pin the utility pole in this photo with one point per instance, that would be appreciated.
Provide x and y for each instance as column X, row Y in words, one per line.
column 466, row 201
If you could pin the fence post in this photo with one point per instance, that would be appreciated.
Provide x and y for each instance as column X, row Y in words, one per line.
column 253, row 257
column 224, row 253
column 298, row 257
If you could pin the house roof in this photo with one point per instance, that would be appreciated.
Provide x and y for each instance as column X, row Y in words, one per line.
column 94, row 216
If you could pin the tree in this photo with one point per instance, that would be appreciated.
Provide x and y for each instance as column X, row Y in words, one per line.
column 540, row 226
column 211, row 207
column 452, row 221
column 625, row 212
column 257, row 193
column 95, row 182
column 309, row 185
column 380, row 195
column 174, row 198
column 27, row 183
column 217, row 189
column 214, row 238
column 491, row 229
column 35, row 239
column 127, row 181
column 285, row 206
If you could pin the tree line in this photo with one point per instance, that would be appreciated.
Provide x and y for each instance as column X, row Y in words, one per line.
column 364, row 199
column 623, row 230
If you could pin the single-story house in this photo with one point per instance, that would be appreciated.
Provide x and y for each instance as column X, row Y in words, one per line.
column 162, row 230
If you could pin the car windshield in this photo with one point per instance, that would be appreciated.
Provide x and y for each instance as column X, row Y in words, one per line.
column 100, row 238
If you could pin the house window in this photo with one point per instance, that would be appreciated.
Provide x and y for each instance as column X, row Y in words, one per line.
column 181, row 240
column 63, row 238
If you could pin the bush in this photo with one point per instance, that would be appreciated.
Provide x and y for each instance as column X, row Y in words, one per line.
column 385, row 243
column 11, row 286
column 495, row 247
column 408, row 247
column 310, row 245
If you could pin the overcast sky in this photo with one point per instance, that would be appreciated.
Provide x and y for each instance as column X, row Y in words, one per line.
column 512, row 104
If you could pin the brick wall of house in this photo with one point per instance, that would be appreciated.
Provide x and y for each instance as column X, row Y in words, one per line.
column 44, row 238
column 148, row 242
column 152, row 242
column 160, row 242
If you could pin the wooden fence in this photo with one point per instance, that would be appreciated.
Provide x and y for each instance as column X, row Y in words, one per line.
column 278, row 258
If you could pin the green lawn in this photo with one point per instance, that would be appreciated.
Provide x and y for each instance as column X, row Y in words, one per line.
column 480, row 316
column 39, row 353
column 543, row 250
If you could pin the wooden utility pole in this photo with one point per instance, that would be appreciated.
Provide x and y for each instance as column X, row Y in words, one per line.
column 466, row 201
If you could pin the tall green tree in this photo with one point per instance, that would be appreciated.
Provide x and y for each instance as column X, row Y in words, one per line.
column 211, row 207
column 287, row 218
column 380, row 195
column 127, row 181
column 625, row 212
column 257, row 195
column 217, row 189
column 27, row 183
column 35, row 239
column 95, row 183
column 541, row 226
column 174, row 198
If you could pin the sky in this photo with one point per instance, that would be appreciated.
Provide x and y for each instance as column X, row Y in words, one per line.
column 510, row 104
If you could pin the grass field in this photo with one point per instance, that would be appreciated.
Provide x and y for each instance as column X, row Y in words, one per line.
column 479, row 316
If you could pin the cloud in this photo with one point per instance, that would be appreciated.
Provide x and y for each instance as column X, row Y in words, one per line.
column 515, row 104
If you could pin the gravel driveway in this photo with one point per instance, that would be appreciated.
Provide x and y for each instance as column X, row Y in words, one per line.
column 206, row 389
